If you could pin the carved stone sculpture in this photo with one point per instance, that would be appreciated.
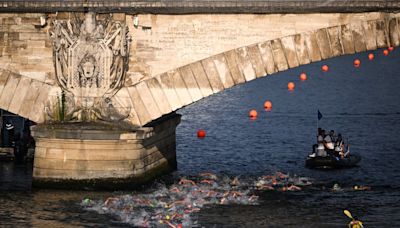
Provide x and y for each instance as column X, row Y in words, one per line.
column 91, row 59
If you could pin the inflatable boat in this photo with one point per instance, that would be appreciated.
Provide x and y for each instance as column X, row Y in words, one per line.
column 332, row 162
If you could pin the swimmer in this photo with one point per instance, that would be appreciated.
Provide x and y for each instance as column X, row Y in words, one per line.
column 265, row 187
column 361, row 188
column 184, row 181
column 336, row 187
column 281, row 175
column 223, row 201
column 235, row 182
column 175, row 189
column 110, row 200
column 253, row 198
column 293, row 188
column 210, row 182
column 209, row 175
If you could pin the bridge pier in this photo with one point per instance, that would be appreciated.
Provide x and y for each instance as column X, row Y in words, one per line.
column 102, row 156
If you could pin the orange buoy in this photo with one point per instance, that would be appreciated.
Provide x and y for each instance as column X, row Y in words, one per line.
column 390, row 48
column 253, row 114
column 201, row 133
column 303, row 76
column 267, row 104
column 386, row 52
column 371, row 56
column 357, row 63
column 290, row 86
column 325, row 68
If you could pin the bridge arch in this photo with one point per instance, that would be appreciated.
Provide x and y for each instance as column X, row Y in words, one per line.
column 174, row 89
column 169, row 91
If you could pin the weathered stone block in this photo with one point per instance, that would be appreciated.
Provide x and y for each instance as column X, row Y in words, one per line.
column 256, row 61
column 4, row 74
column 190, row 82
column 290, row 51
column 168, row 87
column 9, row 90
column 18, row 97
column 358, row 37
column 301, row 49
column 38, row 112
column 36, row 43
column 212, row 75
column 381, row 36
column 231, row 60
column 23, row 27
column 30, row 98
column 119, row 17
column 245, row 65
column 138, row 105
column 334, row 38
column 180, row 87
column 267, row 57
column 158, row 95
column 347, row 39
column 324, row 44
column 64, row 15
column 370, row 34
column 124, row 103
column 18, row 44
column 223, row 71
column 394, row 32
column 279, row 55
column 148, row 100
column 312, row 46
column 201, row 78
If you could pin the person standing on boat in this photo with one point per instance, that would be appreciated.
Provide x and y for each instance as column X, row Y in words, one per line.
column 333, row 136
column 328, row 143
column 339, row 146
column 321, row 147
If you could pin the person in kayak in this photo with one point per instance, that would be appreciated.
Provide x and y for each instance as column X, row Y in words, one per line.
column 355, row 223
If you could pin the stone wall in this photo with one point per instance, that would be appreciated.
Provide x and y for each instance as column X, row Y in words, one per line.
column 160, row 42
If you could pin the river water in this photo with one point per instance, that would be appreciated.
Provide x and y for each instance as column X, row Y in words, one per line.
column 362, row 104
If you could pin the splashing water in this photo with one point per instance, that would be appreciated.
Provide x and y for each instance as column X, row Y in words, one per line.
column 175, row 205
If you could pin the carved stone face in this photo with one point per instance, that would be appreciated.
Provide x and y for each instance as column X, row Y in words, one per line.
column 88, row 69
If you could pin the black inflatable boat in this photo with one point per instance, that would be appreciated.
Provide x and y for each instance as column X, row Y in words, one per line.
column 332, row 162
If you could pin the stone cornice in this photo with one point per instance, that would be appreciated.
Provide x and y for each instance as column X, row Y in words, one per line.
column 200, row 6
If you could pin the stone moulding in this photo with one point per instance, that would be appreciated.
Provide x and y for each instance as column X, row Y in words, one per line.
column 200, row 6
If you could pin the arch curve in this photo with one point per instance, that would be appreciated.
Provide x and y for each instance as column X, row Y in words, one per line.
column 23, row 96
column 172, row 90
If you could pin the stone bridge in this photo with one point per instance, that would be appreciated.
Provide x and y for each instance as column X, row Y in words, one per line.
column 177, row 60
column 191, row 51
